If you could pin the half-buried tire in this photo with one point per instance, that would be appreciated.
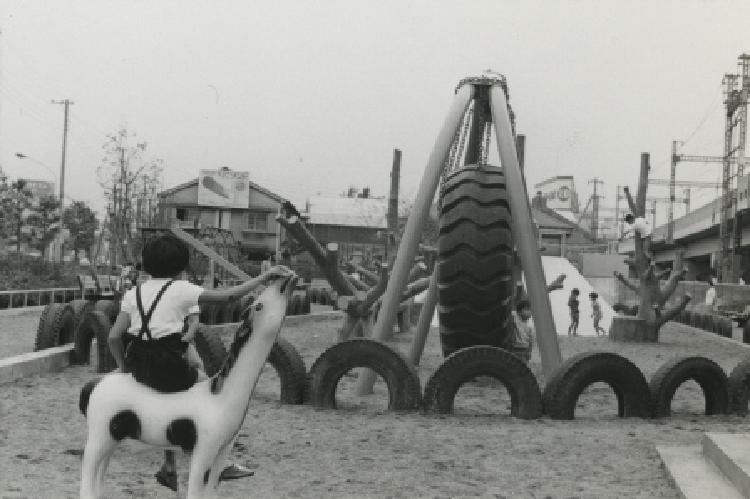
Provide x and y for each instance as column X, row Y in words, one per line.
column 105, row 360
column 290, row 367
column 739, row 388
column 707, row 373
column 580, row 371
column 469, row 363
column 80, row 309
column 475, row 260
column 93, row 326
column 210, row 348
column 404, row 392
column 110, row 308
column 56, row 326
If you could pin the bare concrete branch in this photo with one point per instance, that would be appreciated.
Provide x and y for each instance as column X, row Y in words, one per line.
column 627, row 282
column 671, row 313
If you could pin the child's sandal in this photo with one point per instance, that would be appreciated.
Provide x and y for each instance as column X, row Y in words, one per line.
column 167, row 479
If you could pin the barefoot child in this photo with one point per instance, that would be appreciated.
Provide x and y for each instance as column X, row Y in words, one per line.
column 574, row 312
column 147, row 337
column 597, row 313
column 523, row 338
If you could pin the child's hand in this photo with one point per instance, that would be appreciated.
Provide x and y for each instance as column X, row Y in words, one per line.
column 275, row 272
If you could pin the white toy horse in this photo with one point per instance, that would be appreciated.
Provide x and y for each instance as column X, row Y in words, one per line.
column 203, row 420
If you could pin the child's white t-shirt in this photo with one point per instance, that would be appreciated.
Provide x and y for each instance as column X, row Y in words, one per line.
column 642, row 227
column 169, row 315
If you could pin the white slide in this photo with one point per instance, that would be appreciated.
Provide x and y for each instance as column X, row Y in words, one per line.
column 553, row 267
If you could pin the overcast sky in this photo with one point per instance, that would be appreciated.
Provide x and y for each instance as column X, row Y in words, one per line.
column 311, row 97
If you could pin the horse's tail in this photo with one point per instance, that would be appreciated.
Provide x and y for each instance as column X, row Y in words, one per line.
column 83, row 400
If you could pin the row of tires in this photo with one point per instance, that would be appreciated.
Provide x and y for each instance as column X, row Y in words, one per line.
column 710, row 322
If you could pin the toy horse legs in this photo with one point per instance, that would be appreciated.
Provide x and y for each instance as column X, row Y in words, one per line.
column 201, row 481
column 95, row 460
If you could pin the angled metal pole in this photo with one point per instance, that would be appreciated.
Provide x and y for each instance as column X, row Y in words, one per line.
column 410, row 240
column 524, row 235
column 424, row 322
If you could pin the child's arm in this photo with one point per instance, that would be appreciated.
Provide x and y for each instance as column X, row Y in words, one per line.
column 115, row 339
column 193, row 323
column 224, row 295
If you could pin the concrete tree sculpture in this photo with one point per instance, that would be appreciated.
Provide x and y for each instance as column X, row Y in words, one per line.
column 653, row 311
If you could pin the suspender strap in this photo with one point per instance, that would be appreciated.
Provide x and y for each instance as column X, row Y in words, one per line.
column 145, row 318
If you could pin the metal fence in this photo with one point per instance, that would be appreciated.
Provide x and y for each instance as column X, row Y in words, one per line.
column 19, row 298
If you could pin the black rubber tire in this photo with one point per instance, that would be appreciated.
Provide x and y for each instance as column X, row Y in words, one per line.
column 56, row 326
column 315, row 295
column 105, row 361
column 325, row 297
column 88, row 331
column 305, row 305
column 727, row 327
column 707, row 373
column 296, row 305
column 237, row 311
column 80, row 309
column 208, row 313
column 292, row 372
column 469, row 363
column 404, row 392
column 739, row 388
column 223, row 313
column 210, row 348
column 583, row 369
column 475, row 260
column 110, row 308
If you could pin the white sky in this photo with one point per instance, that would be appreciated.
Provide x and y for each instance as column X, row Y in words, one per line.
column 312, row 96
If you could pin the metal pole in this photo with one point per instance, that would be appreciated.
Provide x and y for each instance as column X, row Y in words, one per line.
column 524, row 236
column 672, row 177
column 410, row 239
column 424, row 322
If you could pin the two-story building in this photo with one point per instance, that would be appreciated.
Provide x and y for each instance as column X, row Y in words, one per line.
column 228, row 200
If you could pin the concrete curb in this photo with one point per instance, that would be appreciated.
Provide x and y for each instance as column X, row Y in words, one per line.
column 28, row 364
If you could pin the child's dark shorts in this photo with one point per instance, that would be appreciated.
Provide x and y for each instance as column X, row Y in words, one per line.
column 159, row 363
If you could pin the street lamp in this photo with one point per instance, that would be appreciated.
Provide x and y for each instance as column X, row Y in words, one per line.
column 21, row 155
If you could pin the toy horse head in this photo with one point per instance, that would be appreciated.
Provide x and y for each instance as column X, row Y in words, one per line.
column 270, row 306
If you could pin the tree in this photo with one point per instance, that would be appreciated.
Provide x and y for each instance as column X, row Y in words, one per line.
column 45, row 222
column 15, row 206
column 82, row 223
column 653, row 297
column 130, row 183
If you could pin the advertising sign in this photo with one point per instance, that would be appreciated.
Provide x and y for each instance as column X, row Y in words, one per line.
column 224, row 188
column 560, row 193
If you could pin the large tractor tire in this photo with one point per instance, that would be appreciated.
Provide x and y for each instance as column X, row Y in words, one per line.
column 475, row 260
column 56, row 326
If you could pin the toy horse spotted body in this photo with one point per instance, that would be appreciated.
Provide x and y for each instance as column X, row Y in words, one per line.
column 204, row 420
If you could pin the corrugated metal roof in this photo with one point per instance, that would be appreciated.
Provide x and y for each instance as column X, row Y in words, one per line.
column 352, row 212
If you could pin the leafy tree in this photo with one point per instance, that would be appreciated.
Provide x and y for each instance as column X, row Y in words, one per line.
column 45, row 222
column 15, row 208
column 82, row 223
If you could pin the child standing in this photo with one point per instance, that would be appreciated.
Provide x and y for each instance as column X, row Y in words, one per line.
column 642, row 227
column 597, row 313
column 523, row 336
column 147, row 337
column 573, row 304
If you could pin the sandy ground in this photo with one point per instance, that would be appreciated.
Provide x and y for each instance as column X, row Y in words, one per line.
column 363, row 451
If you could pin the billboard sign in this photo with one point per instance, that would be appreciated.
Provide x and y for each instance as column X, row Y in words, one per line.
column 224, row 188
column 39, row 189
column 559, row 192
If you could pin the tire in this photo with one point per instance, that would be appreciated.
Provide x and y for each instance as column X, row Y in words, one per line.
column 725, row 327
column 739, row 388
column 315, row 295
column 237, row 311
column 705, row 372
column 296, row 305
column 88, row 331
column 469, row 363
column 404, row 392
column 475, row 260
column 101, row 327
column 223, row 313
column 211, row 350
column 208, row 314
column 56, row 326
column 290, row 367
column 305, row 305
column 80, row 309
column 110, row 308
column 325, row 297
column 578, row 372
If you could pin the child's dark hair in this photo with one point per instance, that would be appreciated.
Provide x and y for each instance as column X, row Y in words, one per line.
column 575, row 291
column 522, row 304
column 593, row 296
column 629, row 218
column 165, row 256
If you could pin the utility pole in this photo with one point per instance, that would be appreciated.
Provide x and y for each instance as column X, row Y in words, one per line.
column 66, row 103
column 392, row 216
column 595, row 208
column 617, row 212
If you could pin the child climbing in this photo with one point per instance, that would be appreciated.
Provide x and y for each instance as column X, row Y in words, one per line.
column 148, row 338
column 573, row 304
column 523, row 336
column 596, row 313
column 642, row 227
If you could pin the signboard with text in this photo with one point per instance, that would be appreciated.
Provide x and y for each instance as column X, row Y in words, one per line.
column 224, row 188
column 559, row 192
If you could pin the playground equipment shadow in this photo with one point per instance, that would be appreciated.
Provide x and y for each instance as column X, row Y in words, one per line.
column 363, row 451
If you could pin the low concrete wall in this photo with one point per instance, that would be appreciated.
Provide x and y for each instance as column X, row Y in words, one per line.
column 228, row 329
column 28, row 364
column 728, row 296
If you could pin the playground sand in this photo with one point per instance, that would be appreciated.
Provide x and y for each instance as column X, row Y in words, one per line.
column 363, row 451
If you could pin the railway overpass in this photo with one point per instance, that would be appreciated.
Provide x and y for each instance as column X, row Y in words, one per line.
column 698, row 234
